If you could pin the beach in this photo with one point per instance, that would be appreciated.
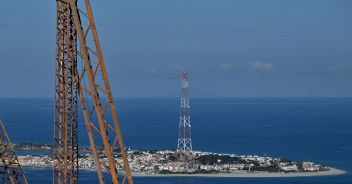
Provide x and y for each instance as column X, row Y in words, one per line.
column 245, row 174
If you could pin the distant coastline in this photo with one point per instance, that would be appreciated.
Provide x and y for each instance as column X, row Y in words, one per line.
column 250, row 174
column 156, row 163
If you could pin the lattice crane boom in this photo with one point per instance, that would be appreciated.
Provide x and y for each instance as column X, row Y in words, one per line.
column 10, row 169
column 65, row 168
column 94, row 93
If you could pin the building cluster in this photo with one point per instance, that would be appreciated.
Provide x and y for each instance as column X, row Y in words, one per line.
column 166, row 162
column 35, row 161
column 309, row 166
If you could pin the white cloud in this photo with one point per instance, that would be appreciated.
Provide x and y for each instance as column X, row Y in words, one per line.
column 262, row 66
column 225, row 66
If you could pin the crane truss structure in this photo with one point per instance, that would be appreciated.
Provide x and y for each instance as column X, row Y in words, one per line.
column 80, row 69
column 10, row 168
column 66, row 97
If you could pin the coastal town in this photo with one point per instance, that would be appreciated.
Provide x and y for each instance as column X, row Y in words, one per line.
column 168, row 163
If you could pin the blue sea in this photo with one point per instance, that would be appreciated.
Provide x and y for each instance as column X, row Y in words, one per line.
column 314, row 129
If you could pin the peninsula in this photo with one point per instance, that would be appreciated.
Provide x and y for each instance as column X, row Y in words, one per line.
column 158, row 163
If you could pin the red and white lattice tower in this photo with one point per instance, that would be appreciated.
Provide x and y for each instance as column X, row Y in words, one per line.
column 184, row 143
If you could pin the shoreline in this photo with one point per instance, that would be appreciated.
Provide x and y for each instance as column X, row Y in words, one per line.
column 237, row 174
column 245, row 174
column 164, row 163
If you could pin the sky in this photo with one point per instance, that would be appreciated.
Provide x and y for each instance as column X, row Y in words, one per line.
column 242, row 48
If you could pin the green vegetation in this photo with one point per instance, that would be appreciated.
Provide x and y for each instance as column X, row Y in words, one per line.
column 219, row 159
column 271, row 168
column 166, row 172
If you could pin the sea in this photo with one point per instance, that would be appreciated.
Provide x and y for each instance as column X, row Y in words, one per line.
column 306, row 129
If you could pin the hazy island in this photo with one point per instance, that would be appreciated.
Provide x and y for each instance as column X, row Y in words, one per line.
column 167, row 163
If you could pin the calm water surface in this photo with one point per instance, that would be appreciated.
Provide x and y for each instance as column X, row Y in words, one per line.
column 315, row 129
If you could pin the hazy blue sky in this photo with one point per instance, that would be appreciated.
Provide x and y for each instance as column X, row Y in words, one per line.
column 241, row 48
